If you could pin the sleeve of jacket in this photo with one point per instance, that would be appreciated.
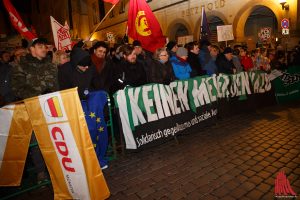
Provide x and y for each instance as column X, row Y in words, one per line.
column 143, row 76
column 51, row 79
column 96, row 81
column 64, row 74
column 18, row 82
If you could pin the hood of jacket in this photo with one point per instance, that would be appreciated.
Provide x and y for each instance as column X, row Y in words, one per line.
column 77, row 55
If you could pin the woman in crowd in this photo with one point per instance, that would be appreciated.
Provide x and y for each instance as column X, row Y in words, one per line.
column 60, row 57
column 181, row 67
column 246, row 61
column 160, row 68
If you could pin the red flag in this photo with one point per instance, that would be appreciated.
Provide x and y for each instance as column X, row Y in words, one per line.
column 112, row 1
column 143, row 26
column 17, row 21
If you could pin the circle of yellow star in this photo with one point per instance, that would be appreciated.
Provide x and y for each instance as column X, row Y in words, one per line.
column 92, row 115
column 98, row 120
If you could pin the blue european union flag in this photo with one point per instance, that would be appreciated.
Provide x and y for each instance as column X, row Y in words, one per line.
column 93, row 108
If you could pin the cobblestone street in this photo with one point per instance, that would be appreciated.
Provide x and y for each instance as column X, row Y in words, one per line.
column 238, row 158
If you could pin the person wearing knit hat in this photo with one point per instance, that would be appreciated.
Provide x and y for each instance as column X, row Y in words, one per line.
column 182, row 52
column 79, row 72
column 137, row 45
column 181, row 67
column 172, row 48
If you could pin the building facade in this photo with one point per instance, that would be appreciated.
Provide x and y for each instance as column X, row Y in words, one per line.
column 178, row 18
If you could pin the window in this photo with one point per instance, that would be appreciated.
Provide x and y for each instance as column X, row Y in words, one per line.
column 95, row 14
column 122, row 7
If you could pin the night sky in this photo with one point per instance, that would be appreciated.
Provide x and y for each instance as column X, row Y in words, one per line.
column 23, row 7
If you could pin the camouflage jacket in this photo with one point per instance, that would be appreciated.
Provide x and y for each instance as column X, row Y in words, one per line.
column 33, row 77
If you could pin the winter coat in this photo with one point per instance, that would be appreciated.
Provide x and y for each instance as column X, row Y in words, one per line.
column 246, row 62
column 224, row 66
column 160, row 72
column 211, row 67
column 194, row 62
column 181, row 68
column 125, row 73
column 33, row 77
column 6, row 94
column 70, row 76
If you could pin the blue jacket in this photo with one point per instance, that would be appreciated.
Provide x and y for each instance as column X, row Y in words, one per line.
column 181, row 69
column 211, row 67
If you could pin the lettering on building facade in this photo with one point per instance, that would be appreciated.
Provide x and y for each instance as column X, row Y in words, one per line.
column 209, row 6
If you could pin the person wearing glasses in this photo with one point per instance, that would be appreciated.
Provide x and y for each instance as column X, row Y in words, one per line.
column 161, row 69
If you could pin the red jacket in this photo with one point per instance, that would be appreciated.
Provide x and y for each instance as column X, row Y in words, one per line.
column 247, row 63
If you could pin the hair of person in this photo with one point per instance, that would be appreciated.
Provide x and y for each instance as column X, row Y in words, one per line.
column 244, row 48
column 237, row 46
column 158, row 52
column 2, row 53
column 100, row 44
column 190, row 46
column 236, row 52
column 127, row 50
column 57, row 55
column 213, row 46
column 111, row 50
column 257, row 50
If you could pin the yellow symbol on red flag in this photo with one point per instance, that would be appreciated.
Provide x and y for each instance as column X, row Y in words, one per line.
column 141, row 24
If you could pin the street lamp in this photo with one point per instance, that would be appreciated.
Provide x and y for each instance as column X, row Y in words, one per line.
column 284, row 4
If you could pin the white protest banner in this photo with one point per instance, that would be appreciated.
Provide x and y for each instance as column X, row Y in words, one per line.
column 61, row 35
column 185, row 39
column 225, row 33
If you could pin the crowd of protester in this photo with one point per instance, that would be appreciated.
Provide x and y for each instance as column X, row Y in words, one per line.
column 32, row 71
column 27, row 72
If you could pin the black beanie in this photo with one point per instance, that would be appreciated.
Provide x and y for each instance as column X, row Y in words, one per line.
column 86, row 61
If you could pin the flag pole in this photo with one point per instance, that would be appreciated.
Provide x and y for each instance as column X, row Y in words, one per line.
column 95, row 29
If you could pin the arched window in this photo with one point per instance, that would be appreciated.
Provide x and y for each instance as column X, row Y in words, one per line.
column 259, row 23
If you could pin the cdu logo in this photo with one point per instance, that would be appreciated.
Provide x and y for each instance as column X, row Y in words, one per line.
column 52, row 107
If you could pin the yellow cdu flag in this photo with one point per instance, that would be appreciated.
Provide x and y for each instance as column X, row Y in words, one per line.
column 62, row 134
column 15, row 133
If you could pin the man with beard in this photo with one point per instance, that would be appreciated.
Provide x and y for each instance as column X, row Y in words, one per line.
column 129, row 71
